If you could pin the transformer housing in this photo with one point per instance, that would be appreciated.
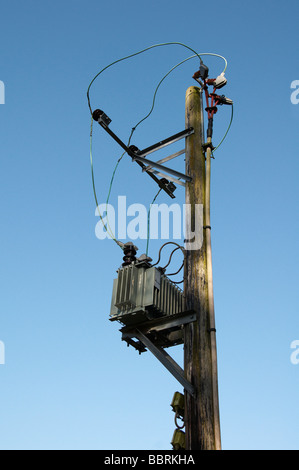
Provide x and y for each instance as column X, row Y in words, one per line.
column 142, row 292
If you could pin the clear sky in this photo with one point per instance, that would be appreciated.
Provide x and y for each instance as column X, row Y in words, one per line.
column 68, row 381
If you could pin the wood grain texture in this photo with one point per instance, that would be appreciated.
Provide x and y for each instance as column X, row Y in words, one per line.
column 197, row 345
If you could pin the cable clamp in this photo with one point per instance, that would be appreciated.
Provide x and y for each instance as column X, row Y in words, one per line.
column 208, row 145
column 207, row 226
column 211, row 329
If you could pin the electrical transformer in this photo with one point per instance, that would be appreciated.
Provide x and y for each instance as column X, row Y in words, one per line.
column 142, row 292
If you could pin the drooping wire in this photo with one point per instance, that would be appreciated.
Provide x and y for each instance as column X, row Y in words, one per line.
column 133, row 55
column 227, row 131
column 178, row 247
column 170, row 258
column 94, row 190
column 169, row 261
column 113, row 175
column 163, row 246
column 169, row 72
column 177, row 272
column 148, row 220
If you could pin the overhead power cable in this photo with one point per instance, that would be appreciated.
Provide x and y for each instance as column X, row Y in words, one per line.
column 133, row 55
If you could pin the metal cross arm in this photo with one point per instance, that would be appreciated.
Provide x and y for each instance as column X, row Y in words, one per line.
column 138, row 155
column 104, row 121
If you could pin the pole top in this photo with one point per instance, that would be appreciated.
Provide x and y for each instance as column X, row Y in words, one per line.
column 193, row 89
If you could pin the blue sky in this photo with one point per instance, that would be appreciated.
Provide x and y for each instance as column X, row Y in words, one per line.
column 68, row 381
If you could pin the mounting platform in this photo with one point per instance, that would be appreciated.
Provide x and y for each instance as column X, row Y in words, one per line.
column 155, row 335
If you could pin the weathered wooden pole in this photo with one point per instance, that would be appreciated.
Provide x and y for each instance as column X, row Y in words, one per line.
column 201, row 411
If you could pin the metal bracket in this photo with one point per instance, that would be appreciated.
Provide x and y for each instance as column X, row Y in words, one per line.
column 162, row 167
column 170, row 157
column 167, row 361
column 146, row 334
column 166, row 159
column 162, row 324
column 170, row 178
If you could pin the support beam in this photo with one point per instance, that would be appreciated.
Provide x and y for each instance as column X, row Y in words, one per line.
column 145, row 161
column 167, row 361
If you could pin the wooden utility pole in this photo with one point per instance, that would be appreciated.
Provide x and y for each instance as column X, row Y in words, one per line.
column 200, row 361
